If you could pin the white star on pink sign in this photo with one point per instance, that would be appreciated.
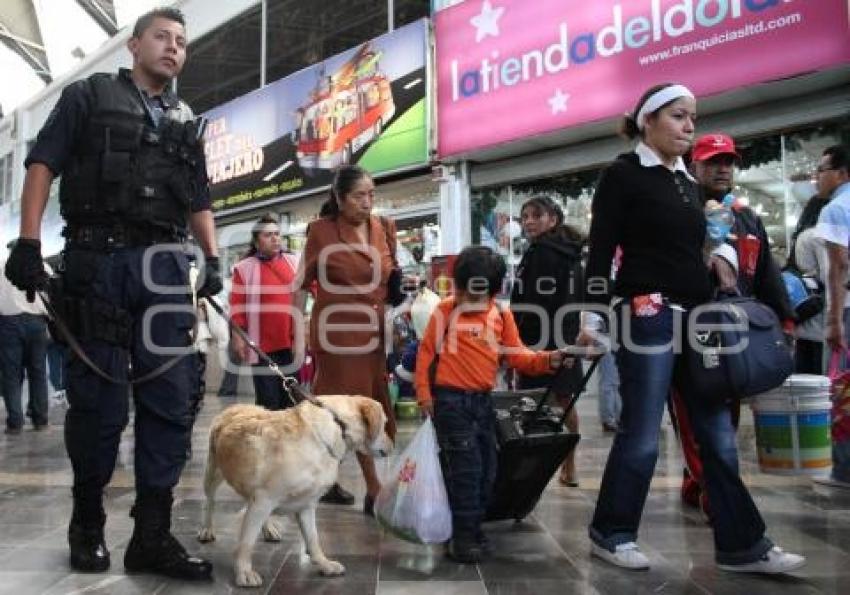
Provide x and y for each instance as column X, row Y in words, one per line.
column 487, row 21
column 558, row 102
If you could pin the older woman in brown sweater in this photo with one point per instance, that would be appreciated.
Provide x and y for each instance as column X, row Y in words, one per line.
column 347, row 261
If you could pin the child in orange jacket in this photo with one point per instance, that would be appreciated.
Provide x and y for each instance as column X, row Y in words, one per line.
column 456, row 368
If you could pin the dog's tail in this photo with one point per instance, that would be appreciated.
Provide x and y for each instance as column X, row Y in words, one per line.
column 215, row 428
column 211, row 472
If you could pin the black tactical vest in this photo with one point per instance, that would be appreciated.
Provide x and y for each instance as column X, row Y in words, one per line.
column 126, row 171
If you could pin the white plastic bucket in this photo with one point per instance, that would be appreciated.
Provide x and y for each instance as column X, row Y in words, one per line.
column 792, row 426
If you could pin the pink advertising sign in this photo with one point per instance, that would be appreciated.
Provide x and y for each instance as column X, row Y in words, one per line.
column 509, row 69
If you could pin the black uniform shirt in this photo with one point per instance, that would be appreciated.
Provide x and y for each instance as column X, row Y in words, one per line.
column 58, row 137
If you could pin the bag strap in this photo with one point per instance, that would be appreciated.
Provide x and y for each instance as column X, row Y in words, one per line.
column 390, row 245
column 438, row 347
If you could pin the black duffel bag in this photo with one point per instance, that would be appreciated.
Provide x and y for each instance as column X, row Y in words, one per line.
column 718, row 367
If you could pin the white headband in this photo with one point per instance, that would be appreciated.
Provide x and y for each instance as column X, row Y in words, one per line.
column 659, row 99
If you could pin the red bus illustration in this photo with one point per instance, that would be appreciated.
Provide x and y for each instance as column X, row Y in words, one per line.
column 344, row 114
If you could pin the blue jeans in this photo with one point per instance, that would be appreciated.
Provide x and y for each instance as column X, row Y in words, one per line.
column 23, row 347
column 610, row 403
column 268, row 387
column 465, row 431
column 645, row 383
column 230, row 380
column 56, row 365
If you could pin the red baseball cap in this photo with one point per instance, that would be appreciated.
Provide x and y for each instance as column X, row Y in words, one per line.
column 709, row 145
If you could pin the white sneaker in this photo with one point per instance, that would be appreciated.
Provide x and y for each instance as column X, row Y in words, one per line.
column 625, row 555
column 775, row 561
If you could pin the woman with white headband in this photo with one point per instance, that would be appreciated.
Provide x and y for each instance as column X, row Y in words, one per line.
column 648, row 204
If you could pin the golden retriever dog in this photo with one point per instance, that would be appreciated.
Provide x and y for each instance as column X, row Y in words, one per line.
column 286, row 459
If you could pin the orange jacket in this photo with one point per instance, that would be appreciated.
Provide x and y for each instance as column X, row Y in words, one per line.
column 472, row 348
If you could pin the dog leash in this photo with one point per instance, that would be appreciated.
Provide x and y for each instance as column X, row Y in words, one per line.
column 290, row 383
column 78, row 350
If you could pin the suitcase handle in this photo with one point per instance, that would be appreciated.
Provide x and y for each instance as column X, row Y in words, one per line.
column 579, row 389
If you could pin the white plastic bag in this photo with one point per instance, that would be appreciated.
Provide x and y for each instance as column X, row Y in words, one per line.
column 413, row 503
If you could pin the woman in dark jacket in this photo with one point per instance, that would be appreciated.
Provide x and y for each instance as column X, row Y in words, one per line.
column 648, row 204
column 548, row 277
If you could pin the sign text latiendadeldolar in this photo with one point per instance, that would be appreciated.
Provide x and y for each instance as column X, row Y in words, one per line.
column 619, row 36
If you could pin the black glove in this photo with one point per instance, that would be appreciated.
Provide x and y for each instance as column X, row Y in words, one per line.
column 25, row 268
column 212, row 278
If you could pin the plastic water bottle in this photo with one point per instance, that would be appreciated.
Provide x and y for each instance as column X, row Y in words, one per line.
column 719, row 221
column 393, row 389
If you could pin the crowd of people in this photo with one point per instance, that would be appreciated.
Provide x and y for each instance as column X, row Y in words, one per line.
column 651, row 258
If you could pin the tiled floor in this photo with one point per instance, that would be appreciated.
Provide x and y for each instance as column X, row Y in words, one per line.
column 548, row 553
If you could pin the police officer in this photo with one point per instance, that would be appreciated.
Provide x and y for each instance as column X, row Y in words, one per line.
column 133, row 182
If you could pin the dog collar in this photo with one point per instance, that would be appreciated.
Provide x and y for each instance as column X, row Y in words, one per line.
column 343, row 428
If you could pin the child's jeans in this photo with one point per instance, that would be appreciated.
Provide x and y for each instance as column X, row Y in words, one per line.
column 465, row 422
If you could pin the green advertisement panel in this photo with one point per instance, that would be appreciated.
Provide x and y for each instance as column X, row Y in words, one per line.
column 365, row 106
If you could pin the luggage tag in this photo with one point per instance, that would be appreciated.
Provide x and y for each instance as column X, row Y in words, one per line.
column 650, row 304
column 711, row 358
column 710, row 352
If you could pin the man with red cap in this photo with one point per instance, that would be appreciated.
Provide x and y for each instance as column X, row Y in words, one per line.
column 713, row 161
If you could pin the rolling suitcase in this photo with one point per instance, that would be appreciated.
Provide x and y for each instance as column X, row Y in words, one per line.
column 532, row 442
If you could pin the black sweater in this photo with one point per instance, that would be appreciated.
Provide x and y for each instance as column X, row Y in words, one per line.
column 656, row 216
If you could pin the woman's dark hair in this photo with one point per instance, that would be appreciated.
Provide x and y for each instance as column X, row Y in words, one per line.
column 545, row 204
column 479, row 268
column 345, row 179
column 553, row 209
column 629, row 125
column 255, row 231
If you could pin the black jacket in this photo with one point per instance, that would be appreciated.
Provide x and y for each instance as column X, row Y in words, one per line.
column 549, row 276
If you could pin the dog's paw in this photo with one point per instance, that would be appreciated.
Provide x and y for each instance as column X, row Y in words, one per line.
column 272, row 530
column 206, row 535
column 331, row 568
column 248, row 578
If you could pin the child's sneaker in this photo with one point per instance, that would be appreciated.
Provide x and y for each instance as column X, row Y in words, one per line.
column 465, row 551
column 625, row 555
column 774, row 561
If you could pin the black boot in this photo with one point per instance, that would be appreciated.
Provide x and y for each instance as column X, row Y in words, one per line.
column 153, row 548
column 85, row 535
column 337, row 495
